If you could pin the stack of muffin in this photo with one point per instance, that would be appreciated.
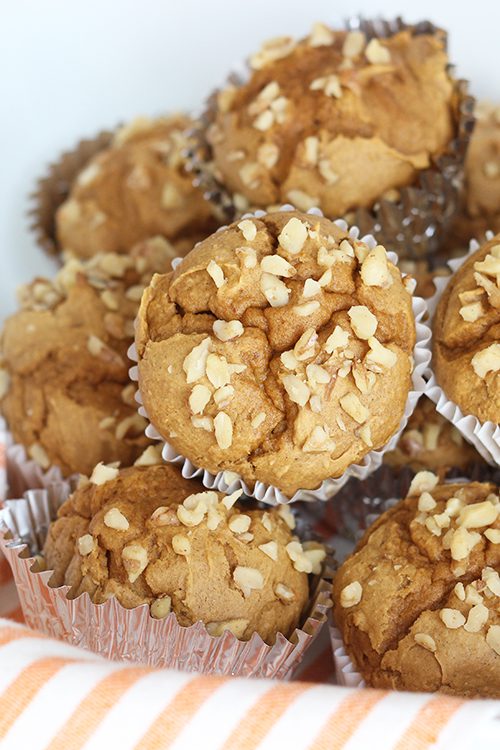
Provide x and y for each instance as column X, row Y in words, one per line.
column 278, row 356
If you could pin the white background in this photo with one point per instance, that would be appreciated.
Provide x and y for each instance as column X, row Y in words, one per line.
column 69, row 68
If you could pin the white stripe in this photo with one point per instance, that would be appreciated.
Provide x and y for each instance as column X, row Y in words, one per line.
column 221, row 714
column 137, row 709
column 393, row 714
column 53, row 705
column 475, row 724
column 304, row 718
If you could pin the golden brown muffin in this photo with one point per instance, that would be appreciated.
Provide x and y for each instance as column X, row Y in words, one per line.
column 64, row 387
column 333, row 120
column 466, row 335
column 418, row 601
column 278, row 349
column 429, row 441
column 146, row 535
column 137, row 188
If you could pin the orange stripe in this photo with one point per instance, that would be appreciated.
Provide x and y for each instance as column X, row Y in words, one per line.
column 178, row 712
column 13, row 634
column 19, row 694
column 341, row 725
column 93, row 709
column 263, row 715
column 321, row 668
column 427, row 725
column 5, row 571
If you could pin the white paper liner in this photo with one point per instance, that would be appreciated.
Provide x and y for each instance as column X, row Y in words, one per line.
column 345, row 671
column 484, row 436
column 132, row 634
column 228, row 481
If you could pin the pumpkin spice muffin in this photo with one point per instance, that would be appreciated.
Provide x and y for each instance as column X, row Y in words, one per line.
column 429, row 441
column 135, row 189
column 279, row 349
column 64, row 387
column 315, row 114
column 418, row 602
column 466, row 335
column 147, row 535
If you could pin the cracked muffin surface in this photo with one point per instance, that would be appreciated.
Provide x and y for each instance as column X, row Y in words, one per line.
column 417, row 602
column 279, row 349
column 135, row 189
column 466, row 335
column 315, row 113
column 64, row 386
column 146, row 535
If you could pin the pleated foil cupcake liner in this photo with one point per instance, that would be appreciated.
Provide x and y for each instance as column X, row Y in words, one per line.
column 484, row 436
column 132, row 634
column 413, row 225
column 345, row 671
column 53, row 189
column 229, row 481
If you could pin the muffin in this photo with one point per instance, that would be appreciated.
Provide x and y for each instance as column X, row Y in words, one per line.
column 480, row 209
column 429, row 441
column 424, row 272
column 146, row 535
column 135, row 189
column 466, row 335
column 334, row 120
column 279, row 348
column 64, row 387
column 417, row 603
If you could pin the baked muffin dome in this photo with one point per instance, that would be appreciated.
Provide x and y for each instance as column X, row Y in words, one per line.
column 418, row 601
column 429, row 441
column 466, row 335
column 279, row 349
column 333, row 120
column 147, row 535
column 135, row 189
column 64, row 387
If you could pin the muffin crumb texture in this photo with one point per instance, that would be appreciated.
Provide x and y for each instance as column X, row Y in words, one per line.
column 146, row 535
column 280, row 349
column 418, row 601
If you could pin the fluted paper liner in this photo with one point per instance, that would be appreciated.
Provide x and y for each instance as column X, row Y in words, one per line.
column 53, row 189
column 484, row 436
column 272, row 495
column 132, row 634
column 413, row 225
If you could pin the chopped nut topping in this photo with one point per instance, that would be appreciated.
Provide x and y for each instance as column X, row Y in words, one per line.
column 264, row 121
column 305, row 347
column 103, row 473
column 223, row 428
column 268, row 155
column 240, row 523
column 181, row 544
column 472, row 595
column 248, row 229
column 218, row 370
column 270, row 549
column 459, row 591
column 424, row 481
column 293, row 236
column 354, row 44
column 317, row 375
column 39, row 455
column 86, row 544
column 216, row 273
column 487, row 360
column 318, row 441
column 462, row 542
column 472, row 312
column 273, row 49
column 229, row 500
column 351, row 595
column 114, row 519
column 287, row 516
column 95, row 345
column 452, row 618
column 426, row 502
column 134, row 293
column 380, row 355
column 311, row 149
column 223, row 396
column 258, row 420
column 477, row 618
column 284, row 593
column 194, row 364
column 302, row 200
column 493, row 638
column 351, row 404
column 164, row 516
column 134, row 425
column 375, row 269
column 274, row 290
column 199, row 398
column 298, row 391
column 248, row 579
column 339, row 339
column 135, row 560
column 203, row 423
column 492, row 580
column 330, row 85
column 161, row 607
column 267, row 522
column 249, row 256
column 311, row 288
column 227, row 330
column 296, row 553
column 477, row 515
column 306, row 309
column 237, row 627
column 493, row 535
column 426, row 641
column 321, row 36
column 376, row 53
column 278, row 266
column 327, row 172
column 249, row 174
column 365, row 434
column 363, row 321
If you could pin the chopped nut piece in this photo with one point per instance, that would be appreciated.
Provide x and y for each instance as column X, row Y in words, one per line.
column 459, row 591
column 194, row 364
column 298, row 391
column 203, row 423
column 274, row 290
column 321, row 36
column 237, row 627
column 278, row 266
column 284, row 593
column 135, row 561
column 375, row 270
column 318, row 441
column 39, row 455
column 476, row 515
column 376, row 53
column 217, row 370
column 248, row 579
column 354, row 44
column 270, row 549
column 114, row 519
column 267, row 522
column 423, row 481
column 463, row 542
column 311, row 149
column 305, row 347
column 135, row 424
column 301, row 562
column 493, row 638
column 452, row 618
column 258, row 420
column 351, row 595
column 161, row 607
column 426, row 641
column 380, row 355
column 230, row 500
column 240, row 523
column 487, row 360
column 472, row 312
column 268, row 155
column 199, row 398
column 351, row 404
column 95, row 345
column 311, row 288
column 227, row 330
column 301, row 200
column 181, row 544
column 103, row 473
column 363, row 321
column 366, row 435
column 86, row 544
column 426, row 502
column 477, row 618
column 223, row 396
column 306, row 309
column 164, row 516
column 492, row 580
column 216, row 273
column 493, row 535
column 330, row 85
column 293, row 235
column 249, row 256
column 339, row 339
column 264, row 121
column 223, row 428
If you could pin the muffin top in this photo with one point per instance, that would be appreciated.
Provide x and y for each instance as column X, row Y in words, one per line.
column 135, row 189
column 64, row 387
column 466, row 333
column 280, row 349
column 429, row 441
column 418, row 601
column 146, row 535
column 315, row 113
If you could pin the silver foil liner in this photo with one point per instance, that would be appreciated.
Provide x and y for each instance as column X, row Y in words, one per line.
column 415, row 224
column 229, row 481
column 484, row 436
column 132, row 634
